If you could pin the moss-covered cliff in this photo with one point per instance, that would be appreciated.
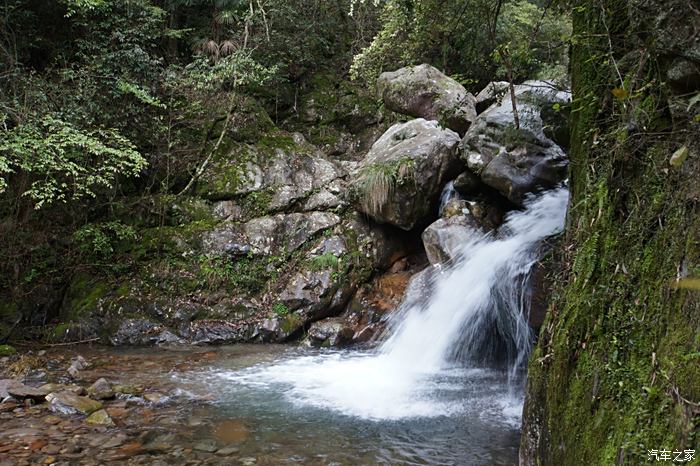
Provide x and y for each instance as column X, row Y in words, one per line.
column 617, row 368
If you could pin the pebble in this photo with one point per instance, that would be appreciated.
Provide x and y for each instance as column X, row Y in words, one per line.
column 208, row 446
column 227, row 451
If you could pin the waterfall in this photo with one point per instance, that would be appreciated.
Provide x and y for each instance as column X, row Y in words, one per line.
column 448, row 193
column 436, row 346
column 481, row 292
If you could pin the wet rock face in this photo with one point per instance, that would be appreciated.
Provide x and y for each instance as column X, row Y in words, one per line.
column 138, row 332
column 400, row 180
column 424, row 92
column 514, row 161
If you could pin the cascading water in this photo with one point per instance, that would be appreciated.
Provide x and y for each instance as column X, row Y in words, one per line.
column 435, row 362
column 448, row 193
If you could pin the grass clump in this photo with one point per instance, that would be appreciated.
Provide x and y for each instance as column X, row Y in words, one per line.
column 377, row 183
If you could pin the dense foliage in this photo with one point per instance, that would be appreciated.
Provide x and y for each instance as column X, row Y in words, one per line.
column 477, row 40
column 105, row 105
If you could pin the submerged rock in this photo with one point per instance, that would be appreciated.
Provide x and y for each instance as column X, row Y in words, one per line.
column 424, row 92
column 400, row 180
column 16, row 389
column 69, row 403
column 100, row 418
column 101, row 390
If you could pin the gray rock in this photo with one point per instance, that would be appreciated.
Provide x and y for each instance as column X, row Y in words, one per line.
column 423, row 91
column 101, row 390
column 684, row 75
column 267, row 235
column 285, row 174
column 217, row 332
column 333, row 332
column 281, row 328
column 5, row 385
column 140, row 332
column 443, row 240
column 400, row 180
column 208, row 446
column 16, row 389
column 77, row 365
column 516, row 161
column 494, row 92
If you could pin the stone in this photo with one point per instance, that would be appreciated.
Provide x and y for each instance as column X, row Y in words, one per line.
column 142, row 332
column 274, row 174
column 16, row 389
column 210, row 331
column 267, row 235
column 69, row 403
column 227, row 451
column 494, row 92
column 454, row 207
column 444, row 239
column 101, row 390
column 208, row 446
column 333, row 332
column 155, row 398
column 100, row 418
column 684, row 75
column 77, row 364
column 57, row 387
column 424, row 92
column 513, row 161
column 400, row 180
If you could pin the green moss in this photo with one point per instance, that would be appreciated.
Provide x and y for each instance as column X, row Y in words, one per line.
column 59, row 331
column 324, row 262
column 83, row 297
column 291, row 323
column 615, row 372
column 7, row 350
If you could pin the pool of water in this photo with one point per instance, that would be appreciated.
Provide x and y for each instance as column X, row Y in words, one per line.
column 292, row 406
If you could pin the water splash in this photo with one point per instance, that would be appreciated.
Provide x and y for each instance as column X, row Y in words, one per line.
column 435, row 346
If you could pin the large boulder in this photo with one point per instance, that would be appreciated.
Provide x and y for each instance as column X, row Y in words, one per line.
column 399, row 181
column 423, row 91
column 518, row 161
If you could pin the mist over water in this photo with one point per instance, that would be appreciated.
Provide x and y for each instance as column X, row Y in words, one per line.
column 435, row 346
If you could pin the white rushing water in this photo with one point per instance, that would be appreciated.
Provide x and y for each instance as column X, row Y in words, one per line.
column 429, row 364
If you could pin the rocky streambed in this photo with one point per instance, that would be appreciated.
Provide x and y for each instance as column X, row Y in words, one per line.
column 100, row 405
